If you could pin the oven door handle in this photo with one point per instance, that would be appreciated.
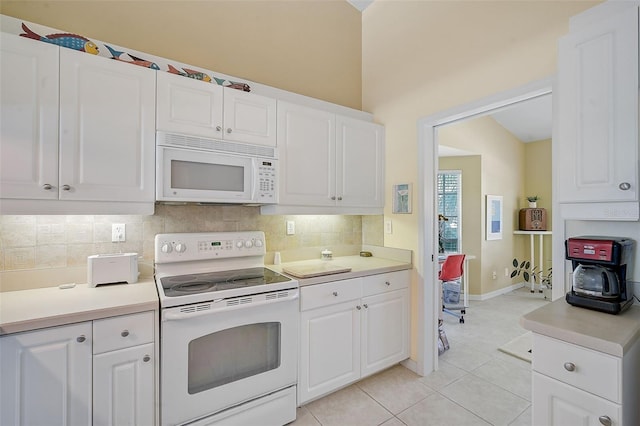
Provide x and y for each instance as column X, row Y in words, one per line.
column 218, row 305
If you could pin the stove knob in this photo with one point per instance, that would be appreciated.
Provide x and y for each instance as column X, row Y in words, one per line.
column 248, row 244
column 258, row 243
column 240, row 244
column 181, row 247
column 166, row 248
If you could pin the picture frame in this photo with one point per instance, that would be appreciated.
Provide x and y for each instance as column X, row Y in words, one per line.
column 402, row 198
column 494, row 217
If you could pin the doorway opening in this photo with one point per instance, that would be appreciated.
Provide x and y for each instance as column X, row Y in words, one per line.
column 426, row 258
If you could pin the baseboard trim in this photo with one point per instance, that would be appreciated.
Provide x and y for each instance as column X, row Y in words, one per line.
column 410, row 364
column 496, row 293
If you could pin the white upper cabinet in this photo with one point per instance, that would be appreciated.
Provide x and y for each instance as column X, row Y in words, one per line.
column 359, row 163
column 193, row 107
column 78, row 132
column 328, row 160
column 29, row 117
column 597, row 117
column 107, row 129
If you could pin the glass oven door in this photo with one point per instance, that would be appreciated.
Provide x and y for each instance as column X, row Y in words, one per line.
column 219, row 354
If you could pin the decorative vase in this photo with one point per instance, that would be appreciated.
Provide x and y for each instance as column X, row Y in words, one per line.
column 533, row 204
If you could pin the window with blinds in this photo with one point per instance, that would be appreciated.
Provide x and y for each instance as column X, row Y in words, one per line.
column 449, row 190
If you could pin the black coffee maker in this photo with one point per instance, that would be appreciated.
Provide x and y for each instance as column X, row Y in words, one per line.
column 600, row 269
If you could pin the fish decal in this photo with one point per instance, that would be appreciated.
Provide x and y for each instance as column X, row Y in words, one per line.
column 70, row 41
column 233, row 85
column 120, row 56
column 196, row 75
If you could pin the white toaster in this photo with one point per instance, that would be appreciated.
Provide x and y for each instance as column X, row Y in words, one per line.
column 112, row 268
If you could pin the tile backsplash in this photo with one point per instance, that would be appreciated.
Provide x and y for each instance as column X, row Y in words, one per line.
column 59, row 241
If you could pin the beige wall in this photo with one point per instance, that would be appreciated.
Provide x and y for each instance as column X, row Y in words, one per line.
column 310, row 47
column 502, row 172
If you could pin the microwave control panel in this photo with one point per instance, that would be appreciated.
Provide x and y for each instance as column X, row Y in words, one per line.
column 267, row 191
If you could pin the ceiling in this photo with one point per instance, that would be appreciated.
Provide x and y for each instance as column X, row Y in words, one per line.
column 360, row 4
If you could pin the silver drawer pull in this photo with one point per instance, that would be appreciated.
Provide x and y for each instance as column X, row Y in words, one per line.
column 366, row 306
column 146, row 358
column 569, row 366
column 625, row 186
column 218, row 128
column 605, row 420
column 335, row 293
column 358, row 307
column 387, row 283
column 229, row 130
column 66, row 188
column 81, row 338
column 124, row 333
column 47, row 186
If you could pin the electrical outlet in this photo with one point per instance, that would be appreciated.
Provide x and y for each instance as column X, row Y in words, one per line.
column 506, row 272
column 118, row 232
column 494, row 275
column 388, row 226
column 291, row 227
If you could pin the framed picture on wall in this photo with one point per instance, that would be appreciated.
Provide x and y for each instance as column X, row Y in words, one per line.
column 494, row 217
column 402, row 198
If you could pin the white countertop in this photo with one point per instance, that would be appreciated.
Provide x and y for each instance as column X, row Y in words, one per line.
column 26, row 310
column 360, row 267
column 611, row 334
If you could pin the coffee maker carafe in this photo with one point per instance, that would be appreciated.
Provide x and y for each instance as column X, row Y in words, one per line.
column 600, row 269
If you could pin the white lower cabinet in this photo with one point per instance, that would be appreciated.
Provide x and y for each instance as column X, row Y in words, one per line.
column 123, row 370
column 574, row 385
column 100, row 373
column 45, row 376
column 351, row 329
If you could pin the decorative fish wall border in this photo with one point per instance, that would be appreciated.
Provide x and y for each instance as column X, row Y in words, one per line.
column 95, row 47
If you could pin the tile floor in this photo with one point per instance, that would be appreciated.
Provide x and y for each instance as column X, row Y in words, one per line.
column 475, row 385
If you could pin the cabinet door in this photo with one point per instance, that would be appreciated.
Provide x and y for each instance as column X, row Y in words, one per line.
column 597, row 120
column 249, row 118
column 329, row 349
column 385, row 330
column 359, row 163
column 189, row 106
column 306, row 145
column 107, row 129
column 29, row 117
column 558, row 404
column 46, row 377
column 123, row 387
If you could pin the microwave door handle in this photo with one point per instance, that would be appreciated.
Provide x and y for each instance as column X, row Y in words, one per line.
column 606, row 290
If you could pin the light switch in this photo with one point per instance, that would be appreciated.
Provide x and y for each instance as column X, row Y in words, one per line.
column 291, row 227
column 388, row 227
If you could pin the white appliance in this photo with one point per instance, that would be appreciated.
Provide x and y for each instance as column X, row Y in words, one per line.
column 229, row 330
column 193, row 169
column 112, row 268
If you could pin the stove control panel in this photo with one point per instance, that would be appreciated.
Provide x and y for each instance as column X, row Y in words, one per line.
column 181, row 247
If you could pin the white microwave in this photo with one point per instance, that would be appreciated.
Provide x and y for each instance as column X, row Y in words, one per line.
column 192, row 169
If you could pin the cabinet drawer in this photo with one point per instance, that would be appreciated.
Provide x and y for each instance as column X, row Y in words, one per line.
column 382, row 283
column 315, row 296
column 122, row 332
column 593, row 371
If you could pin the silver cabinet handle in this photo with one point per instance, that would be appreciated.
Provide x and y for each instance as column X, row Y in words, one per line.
column 358, row 307
column 47, row 186
column 624, row 186
column 81, row 338
column 339, row 198
column 366, row 306
column 569, row 366
column 124, row 333
column 146, row 358
column 335, row 293
column 66, row 188
column 333, row 197
column 605, row 420
column 387, row 283
column 229, row 130
column 218, row 128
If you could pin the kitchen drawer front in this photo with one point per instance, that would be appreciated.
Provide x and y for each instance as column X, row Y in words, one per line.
column 122, row 332
column 383, row 283
column 595, row 372
column 316, row 296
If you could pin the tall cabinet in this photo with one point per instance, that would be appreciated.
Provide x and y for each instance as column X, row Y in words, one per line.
column 78, row 131
column 597, row 118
